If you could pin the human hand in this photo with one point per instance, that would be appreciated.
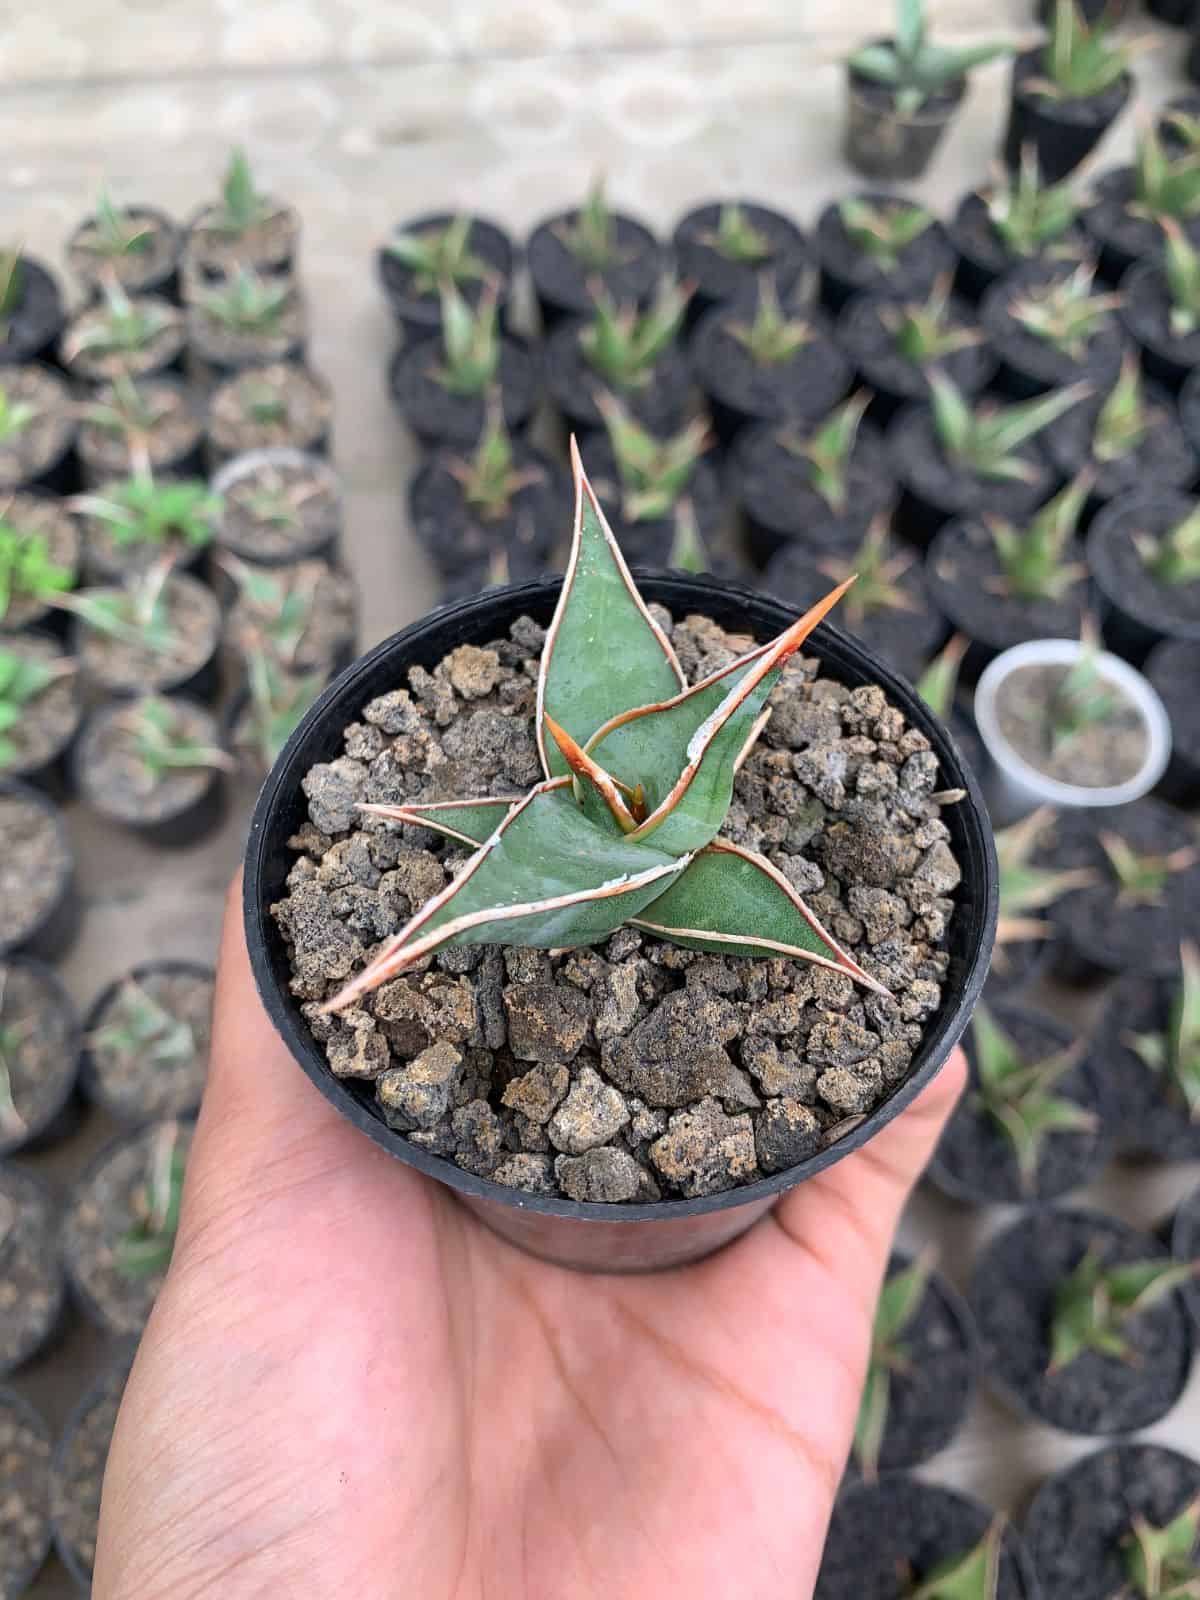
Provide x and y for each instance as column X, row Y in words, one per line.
column 349, row 1387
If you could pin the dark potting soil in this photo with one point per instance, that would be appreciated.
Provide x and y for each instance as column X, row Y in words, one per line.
column 867, row 336
column 805, row 387
column 78, row 1470
column 1101, row 755
column 1081, row 1518
column 1014, row 964
column 885, row 1537
column 632, row 1069
column 418, row 306
column 48, row 722
column 31, row 329
column 1174, row 671
column 31, row 1280
column 976, row 1160
column 1121, row 235
column 1063, row 131
column 242, row 413
column 648, row 542
column 456, row 535
column 935, row 489
column 1122, row 575
column 333, row 619
column 966, row 581
column 716, row 277
column 24, row 1493
column 108, row 1203
column 983, row 254
column 114, row 780
column 160, row 352
column 231, row 348
column 1149, row 1114
column 35, row 865
column 215, row 252
column 172, row 438
column 136, row 1079
column 772, row 480
column 573, row 385
column 1164, row 456
column 846, row 269
column 49, row 434
column 35, row 515
column 1146, row 309
column 40, row 1048
column 1185, row 1246
column 148, row 267
column 123, row 666
column 277, row 511
column 1015, row 1281
column 563, row 284
column 438, row 417
column 1029, row 364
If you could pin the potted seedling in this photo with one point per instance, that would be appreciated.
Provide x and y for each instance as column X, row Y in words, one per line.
column 268, row 711
column 1049, row 328
column 443, row 386
column 921, row 1376
column 1031, row 884
column 246, row 320
column 918, row 1541
column 280, row 406
column 1171, row 671
column 674, row 1068
column 1066, row 93
column 1002, row 583
column 953, row 458
column 139, row 336
column 1080, row 1321
column 421, row 256
column 756, row 361
column 136, row 426
column 159, row 631
column 156, row 766
column 244, row 228
column 77, row 1471
column 136, row 245
column 522, row 562
column 305, row 616
column 895, row 346
column 1160, row 308
column 37, row 430
column 39, row 907
column 723, row 249
column 1123, row 1521
column 140, row 521
column 813, row 488
column 628, row 351
column 40, row 708
column 1014, row 219
column 31, row 1278
column 31, row 308
column 879, row 244
column 1134, row 204
column 902, row 92
column 39, row 1055
column 1030, row 1127
column 1144, row 554
column 888, row 607
column 25, row 1528
column 146, row 1042
column 39, row 559
column 938, row 687
column 569, row 255
column 642, row 480
column 279, row 506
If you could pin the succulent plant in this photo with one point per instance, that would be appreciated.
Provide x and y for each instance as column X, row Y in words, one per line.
column 1079, row 61
column 1164, row 187
column 1026, row 888
column 280, row 601
column 974, row 1575
column 127, row 325
column 1031, row 557
column 470, row 343
column 915, row 68
column 1094, row 1303
column 147, row 1247
column 883, row 232
column 654, row 473
column 1083, row 697
column 278, row 702
column 874, row 571
column 490, row 482
column 262, row 400
column 1181, row 267
column 688, row 551
column 1018, row 1095
column 592, row 237
column 26, row 568
column 241, row 206
column 137, row 613
column 1164, row 1563
column 899, row 1302
column 623, row 344
column 829, row 449
column 984, row 440
column 15, row 416
column 1143, row 876
column 439, row 255
column 1027, row 214
column 1173, row 557
column 1063, row 311
column 139, row 511
column 938, row 684
column 736, row 238
column 1176, row 1053
column 127, row 410
column 113, row 233
column 270, row 501
column 772, row 338
column 161, row 741
column 248, row 302
column 639, row 772
column 12, row 282
column 923, row 333
column 22, row 680
column 136, row 1026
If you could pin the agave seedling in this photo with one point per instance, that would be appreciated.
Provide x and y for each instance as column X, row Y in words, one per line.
column 883, row 232
column 249, row 303
column 829, row 449
column 592, row 236
column 938, row 684
column 1026, row 888
column 688, row 551
column 639, row 772
column 436, row 256
column 280, row 603
column 772, row 338
column 1027, row 214
column 1164, row 187
column 490, row 481
column 899, row 1301
column 915, row 68
column 470, row 343
column 12, row 282
column 1031, row 558
column 137, row 1026
column 623, row 344
column 137, row 614
column 26, row 568
column 1173, row 557
column 924, row 333
column 1093, row 1305
column 147, row 1247
column 161, row 740
column 15, row 416
column 139, row 511
column 22, row 680
column 1079, row 61
column 985, row 440
column 129, row 411
column 1143, row 876
column 126, row 326
column 1083, row 697
column 654, row 473
column 114, row 233
column 1175, row 1054
column 875, row 572
column 736, row 238
column 1063, row 312
column 241, row 206
column 974, row 1575
column 278, row 702
column 1164, row 1563
column 1124, row 418
column 1181, row 267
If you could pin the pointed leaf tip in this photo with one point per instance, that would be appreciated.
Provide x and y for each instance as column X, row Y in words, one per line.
column 591, row 773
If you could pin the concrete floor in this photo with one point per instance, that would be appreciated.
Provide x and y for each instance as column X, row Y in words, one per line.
column 362, row 114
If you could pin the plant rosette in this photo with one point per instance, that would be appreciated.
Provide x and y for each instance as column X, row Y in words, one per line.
column 279, row 506
column 37, row 430
column 279, row 406
column 723, row 247
column 40, row 708
column 266, row 711
column 146, row 1042
column 419, row 256
column 1160, row 311
column 31, row 309
column 244, row 228
column 39, row 907
column 756, row 360
column 135, row 336
column 1080, row 1321
column 1173, row 670
column 77, row 1471
column 138, row 246
column 39, row 1055
column 901, row 1539
column 1084, row 1523
column 154, row 765
column 1067, row 725
column 128, row 426
column 304, row 617
column 1144, row 555
column 135, row 523
column 1185, row 1246
column 246, row 320
column 25, row 1529
column 894, row 347
column 39, row 559
column 1032, row 880
column 1032, row 1125
column 1148, row 1052
column 32, row 1286
column 875, row 243
column 1134, row 207
column 1012, row 221
column 621, row 352
column 569, row 254
column 1050, row 325
column 813, row 488
column 160, row 632
column 525, row 1153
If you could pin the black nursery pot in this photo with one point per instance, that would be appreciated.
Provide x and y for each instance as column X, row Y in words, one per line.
column 879, row 1531
column 592, row 1235
column 1174, row 671
column 420, row 313
column 1179, row 13
column 1138, row 612
column 1121, row 238
column 58, row 1116
column 1062, row 132
column 457, row 539
column 1164, row 457
column 846, row 271
column 1167, row 357
column 717, row 280
column 562, row 284
column 1185, row 1246
column 1149, row 1116
column 437, row 417
column 41, row 457
column 194, row 818
column 78, row 1468
column 38, row 1271
column 1029, row 365
column 1080, row 1517
column 1191, row 64
column 894, row 380
column 53, row 933
column 1189, row 411
column 1019, row 966
column 573, row 385
column 91, row 1079
column 1012, row 1296
column 886, row 143
column 983, row 256
column 31, row 331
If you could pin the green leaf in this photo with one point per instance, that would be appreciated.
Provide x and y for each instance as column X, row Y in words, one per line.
column 871, row 1424
column 1161, row 1563
column 910, row 26
column 900, row 1299
column 877, row 61
column 937, row 684
column 1138, row 1285
column 470, row 822
column 974, row 1575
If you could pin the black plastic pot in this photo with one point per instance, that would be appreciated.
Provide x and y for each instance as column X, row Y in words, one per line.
column 1063, row 132
column 883, row 142
column 983, row 256
column 562, row 285
column 1121, row 236
column 1016, row 966
column 1149, row 1116
column 420, row 314
column 202, row 682
column 1173, row 669
column 89, row 1078
column 893, row 379
column 325, row 542
column 56, row 930
column 1189, row 410
column 573, row 386
column 1137, row 611
column 106, row 1390
column 592, row 1235
column 1178, row 13
column 1164, row 457
column 1145, row 312
column 50, row 773
column 1029, row 365
column 437, row 417
column 1191, row 63
column 57, row 472
column 717, row 280
column 18, row 1581
column 1185, row 1246
column 45, row 1336
column 846, row 271
column 30, row 332
column 60, row 1117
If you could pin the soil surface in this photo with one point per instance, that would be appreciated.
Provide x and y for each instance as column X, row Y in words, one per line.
column 562, row 282
column 240, row 419
column 115, row 781
column 229, row 348
column 1013, row 1289
column 214, row 252
column 806, row 386
column 122, row 666
column 160, row 1077
column 31, row 1281
column 847, row 270
column 24, row 1493
column 78, row 1470
column 48, row 721
column 173, row 436
column 106, row 561
column 939, row 489
column 633, row 1069
column 35, row 865
column 332, row 626
column 280, row 511
column 136, row 271
column 968, row 584
column 103, row 365
column 1121, row 571
column 1148, row 1111
column 40, row 1044
column 46, row 438
column 1101, row 755
column 32, row 515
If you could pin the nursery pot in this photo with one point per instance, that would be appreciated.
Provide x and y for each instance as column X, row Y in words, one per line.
column 591, row 1235
column 885, row 142
column 1017, row 787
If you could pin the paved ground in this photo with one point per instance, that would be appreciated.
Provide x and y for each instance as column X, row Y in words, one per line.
column 363, row 113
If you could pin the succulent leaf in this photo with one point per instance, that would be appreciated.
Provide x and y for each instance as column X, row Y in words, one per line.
column 1032, row 557
column 1177, row 1051
column 883, row 232
column 899, row 1301
column 1079, row 61
column 974, row 1575
column 1163, row 1563
column 916, row 67
column 470, row 822
column 938, row 683
column 1027, row 214
column 1017, row 1094
column 1094, row 1303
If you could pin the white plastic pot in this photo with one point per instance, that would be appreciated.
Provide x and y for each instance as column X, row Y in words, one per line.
column 1014, row 787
